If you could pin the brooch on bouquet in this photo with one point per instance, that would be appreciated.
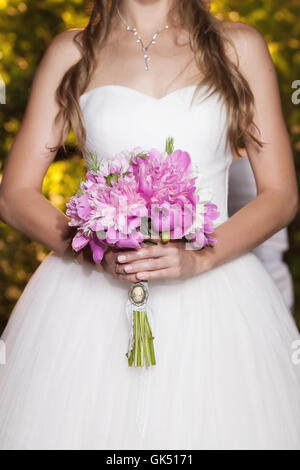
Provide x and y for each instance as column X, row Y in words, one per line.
column 135, row 198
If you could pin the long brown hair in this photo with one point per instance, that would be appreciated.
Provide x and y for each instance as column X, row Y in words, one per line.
column 208, row 43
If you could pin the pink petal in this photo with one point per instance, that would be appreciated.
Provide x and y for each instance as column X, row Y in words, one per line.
column 98, row 251
column 79, row 241
column 132, row 242
column 155, row 154
column 181, row 159
column 112, row 236
column 84, row 207
column 145, row 187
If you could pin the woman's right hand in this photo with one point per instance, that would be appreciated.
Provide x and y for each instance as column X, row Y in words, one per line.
column 108, row 264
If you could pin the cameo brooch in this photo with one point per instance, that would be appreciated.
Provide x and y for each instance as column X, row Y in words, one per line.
column 138, row 294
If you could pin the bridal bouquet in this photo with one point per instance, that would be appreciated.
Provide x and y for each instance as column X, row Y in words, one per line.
column 135, row 198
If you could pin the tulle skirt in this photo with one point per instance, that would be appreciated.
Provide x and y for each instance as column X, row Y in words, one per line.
column 226, row 375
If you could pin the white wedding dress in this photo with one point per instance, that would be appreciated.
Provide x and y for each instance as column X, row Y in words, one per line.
column 226, row 375
column 242, row 189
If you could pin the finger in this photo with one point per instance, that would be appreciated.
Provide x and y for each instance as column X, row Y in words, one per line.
column 151, row 264
column 144, row 253
column 126, row 277
column 159, row 274
column 131, row 277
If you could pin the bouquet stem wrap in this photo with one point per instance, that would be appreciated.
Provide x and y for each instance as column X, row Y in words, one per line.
column 140, row 349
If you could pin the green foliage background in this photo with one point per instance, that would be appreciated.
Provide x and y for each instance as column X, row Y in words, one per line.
column 27, row 27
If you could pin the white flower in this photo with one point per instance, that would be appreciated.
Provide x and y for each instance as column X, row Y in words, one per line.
column 205, row 194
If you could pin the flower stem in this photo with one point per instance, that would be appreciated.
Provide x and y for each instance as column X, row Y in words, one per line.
column 143, row 350
column 135, row 313
column 150, row 342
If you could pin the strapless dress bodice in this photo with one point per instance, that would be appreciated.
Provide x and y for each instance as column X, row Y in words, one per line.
column 120, row 118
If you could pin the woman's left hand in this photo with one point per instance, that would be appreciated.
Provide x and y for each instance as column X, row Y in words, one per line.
column 164, row 260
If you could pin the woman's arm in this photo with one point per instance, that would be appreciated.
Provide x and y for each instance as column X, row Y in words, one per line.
column 276, row 203
column 22, row 204
column 277, row 196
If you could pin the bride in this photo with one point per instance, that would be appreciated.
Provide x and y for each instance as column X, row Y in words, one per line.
column 226, row 376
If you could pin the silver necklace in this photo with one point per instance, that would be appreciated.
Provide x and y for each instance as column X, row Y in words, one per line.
column 140, row 41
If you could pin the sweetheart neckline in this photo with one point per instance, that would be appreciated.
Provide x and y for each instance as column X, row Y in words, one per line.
column 134, row 90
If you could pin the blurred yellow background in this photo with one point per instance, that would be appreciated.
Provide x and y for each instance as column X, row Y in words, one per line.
column 27, row 27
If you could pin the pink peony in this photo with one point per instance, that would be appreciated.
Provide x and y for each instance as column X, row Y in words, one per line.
column 121, row 195
column 107, row 214
column 166, row 183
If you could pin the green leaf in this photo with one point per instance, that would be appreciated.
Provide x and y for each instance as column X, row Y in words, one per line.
column 170, row 145
column 144, row 228
column 112, row 177
column 142, row 155
column 93, row 164
column 101, row 234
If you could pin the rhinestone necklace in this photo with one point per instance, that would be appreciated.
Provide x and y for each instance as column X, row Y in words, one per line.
column 140, row 41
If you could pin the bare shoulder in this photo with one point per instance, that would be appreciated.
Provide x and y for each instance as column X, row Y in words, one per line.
column 247, row 42
column 65, row 46
column 61, row 54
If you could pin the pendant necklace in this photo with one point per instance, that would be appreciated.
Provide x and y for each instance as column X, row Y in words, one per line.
column 140, row 41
